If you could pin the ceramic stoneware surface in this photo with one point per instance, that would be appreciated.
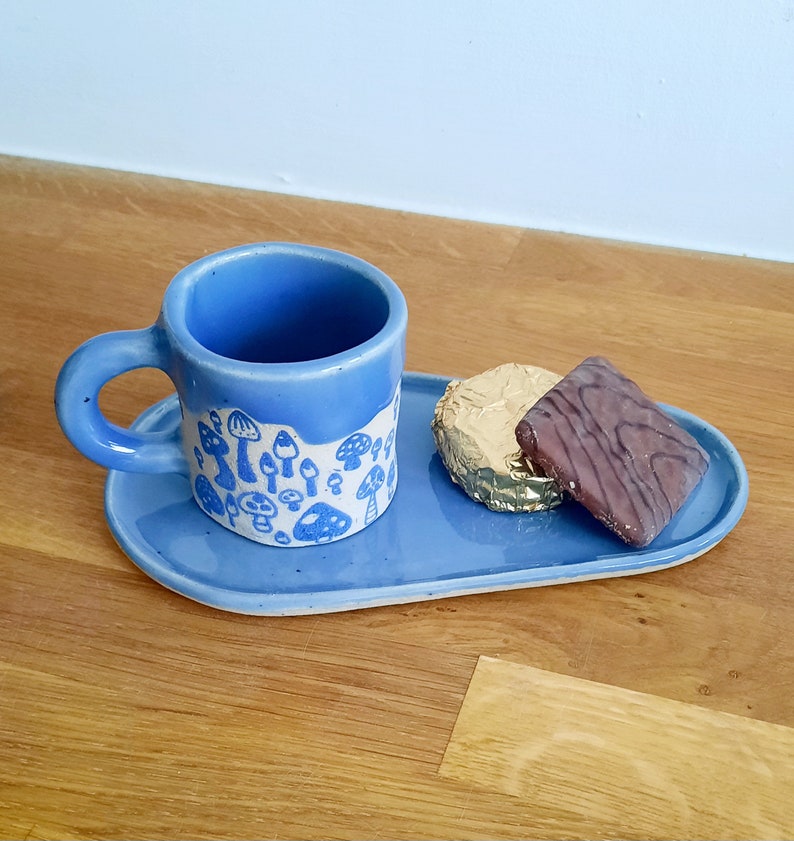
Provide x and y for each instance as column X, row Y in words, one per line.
column 287, row 362
column 433, row 540
column 265, row 482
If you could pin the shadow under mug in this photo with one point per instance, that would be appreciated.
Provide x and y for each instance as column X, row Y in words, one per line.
column 287, row 361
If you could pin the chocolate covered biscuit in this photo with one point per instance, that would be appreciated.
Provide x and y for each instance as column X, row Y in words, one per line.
column 613, row 449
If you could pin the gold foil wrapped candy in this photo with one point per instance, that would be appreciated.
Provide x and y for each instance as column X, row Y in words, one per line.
column 474, row 429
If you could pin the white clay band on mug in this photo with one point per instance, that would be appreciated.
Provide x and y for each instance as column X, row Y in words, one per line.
column 264, row 482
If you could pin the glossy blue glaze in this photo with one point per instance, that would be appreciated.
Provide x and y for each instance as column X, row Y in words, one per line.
column 287, row 361
column 433, row 541
column 289, row 334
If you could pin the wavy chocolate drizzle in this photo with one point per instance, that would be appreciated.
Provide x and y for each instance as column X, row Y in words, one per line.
column 613, row 449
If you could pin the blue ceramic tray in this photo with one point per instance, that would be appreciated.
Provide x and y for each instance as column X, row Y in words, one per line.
column 432, row 542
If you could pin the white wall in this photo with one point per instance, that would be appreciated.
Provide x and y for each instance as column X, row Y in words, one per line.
column 662, row 122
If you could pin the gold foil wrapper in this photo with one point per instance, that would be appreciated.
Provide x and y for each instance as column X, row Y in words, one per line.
column 474, row 430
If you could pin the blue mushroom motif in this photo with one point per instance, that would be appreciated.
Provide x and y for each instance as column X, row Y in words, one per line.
column 352, row 448
column 207, row 496
column 292, row 498
column 269, row 470
column 232, row 508
column 389, row 442
column 285, row 450
column 310, row 472
column 242, row 428
column 214, row 445
column 321, row 523
column 261, row 509
column 368, row 490
column 217, row 423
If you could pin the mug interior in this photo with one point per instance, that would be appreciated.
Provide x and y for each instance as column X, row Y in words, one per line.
column 276, row 307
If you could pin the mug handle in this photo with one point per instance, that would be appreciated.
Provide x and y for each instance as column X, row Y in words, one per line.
column 79, row 382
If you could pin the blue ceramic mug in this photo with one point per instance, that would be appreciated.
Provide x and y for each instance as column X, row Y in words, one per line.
column 287, row 361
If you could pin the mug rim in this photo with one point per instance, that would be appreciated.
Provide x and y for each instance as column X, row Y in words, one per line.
column 178, row 293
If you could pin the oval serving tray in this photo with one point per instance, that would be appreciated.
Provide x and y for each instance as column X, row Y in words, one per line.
column 432, row 542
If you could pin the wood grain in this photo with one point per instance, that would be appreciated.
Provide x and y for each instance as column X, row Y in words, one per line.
column 612, row 757
column 129, row 711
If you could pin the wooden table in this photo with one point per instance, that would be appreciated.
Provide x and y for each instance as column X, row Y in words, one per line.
column 655, row 706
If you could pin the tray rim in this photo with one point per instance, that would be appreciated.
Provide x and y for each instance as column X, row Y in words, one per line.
column 336, row 600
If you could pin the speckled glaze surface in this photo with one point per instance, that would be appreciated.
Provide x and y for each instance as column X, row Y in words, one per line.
column 433, row 541
column 286, row 360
